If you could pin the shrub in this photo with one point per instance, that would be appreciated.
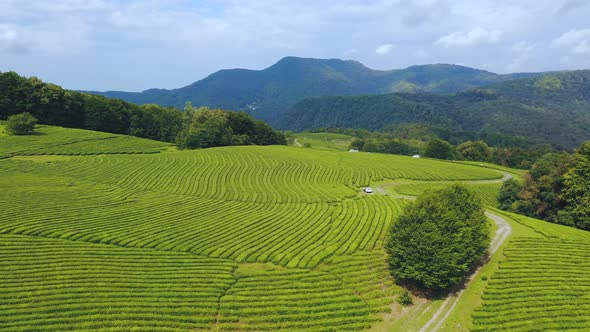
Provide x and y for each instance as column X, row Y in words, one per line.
column 405, row 299
column 21, row 124
column 436, row 240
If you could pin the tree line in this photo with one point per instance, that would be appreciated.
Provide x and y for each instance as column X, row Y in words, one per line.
column 419, row 140
column 52, row 105
column 556, row 189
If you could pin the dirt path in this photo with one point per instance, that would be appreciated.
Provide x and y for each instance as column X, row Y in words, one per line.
column 440, row 316
column 502, row 233
column 296, row 142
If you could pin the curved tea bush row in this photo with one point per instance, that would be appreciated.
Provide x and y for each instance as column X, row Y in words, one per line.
column 57, row 285
column 292, row 300
column 367, row 274
column 546, row 229
column 256, row 174
column 487, row 192
column 542, row 285
column 49, row 140
column 295, row 235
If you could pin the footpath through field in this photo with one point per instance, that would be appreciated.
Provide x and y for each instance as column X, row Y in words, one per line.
column 502, row 233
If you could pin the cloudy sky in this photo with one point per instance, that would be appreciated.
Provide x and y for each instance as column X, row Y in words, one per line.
column 134, row 45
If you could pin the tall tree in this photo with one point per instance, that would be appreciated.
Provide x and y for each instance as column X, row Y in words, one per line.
column 437, row 239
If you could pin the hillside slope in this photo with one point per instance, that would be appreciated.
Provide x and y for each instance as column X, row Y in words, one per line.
column 137, row 236
column 267, row 93
column 553, row 108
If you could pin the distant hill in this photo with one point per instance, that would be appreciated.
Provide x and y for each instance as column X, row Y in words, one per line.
column 268, row 93
column 552, row 108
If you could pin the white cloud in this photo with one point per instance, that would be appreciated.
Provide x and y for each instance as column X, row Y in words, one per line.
column 350, row 51
column 577, row 41
column 524, row 51
column 421, row 53
column 478, row 35
column 384, row 49
column 572, row 37
column 9, row 40
column 582, row 48
column 110, row 39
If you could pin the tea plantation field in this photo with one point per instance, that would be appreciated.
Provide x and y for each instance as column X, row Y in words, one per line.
column 108, row 232
column 542, row 284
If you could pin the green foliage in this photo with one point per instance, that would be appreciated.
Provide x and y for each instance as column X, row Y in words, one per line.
column 508, row 194
column 21, row 124
column 555, row 189
column 576, row 191
column 437, row 239
column 405, row 299
column 475, row 151
column 440, row 149
column 517, row 157
column 554, row 114
column 539, row 196
column 204, row 128
column 56, row 106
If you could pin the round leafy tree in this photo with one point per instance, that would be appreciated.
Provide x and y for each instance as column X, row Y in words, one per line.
column 436, row 240
column 21, row 124
column 440, row 149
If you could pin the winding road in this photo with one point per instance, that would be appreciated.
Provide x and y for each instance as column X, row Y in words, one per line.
column 502, row 233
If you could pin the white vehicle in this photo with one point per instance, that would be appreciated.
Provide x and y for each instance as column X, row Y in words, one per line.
column 368, row 190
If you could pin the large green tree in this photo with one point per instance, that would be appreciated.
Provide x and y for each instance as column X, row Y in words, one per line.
column 440, row 149
column 479, row 151
column 438, row 238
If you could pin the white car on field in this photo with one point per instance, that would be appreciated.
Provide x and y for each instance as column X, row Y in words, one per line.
column 368, row 190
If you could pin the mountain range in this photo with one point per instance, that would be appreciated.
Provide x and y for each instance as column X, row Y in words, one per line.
column 551, row 108
column 267, row 94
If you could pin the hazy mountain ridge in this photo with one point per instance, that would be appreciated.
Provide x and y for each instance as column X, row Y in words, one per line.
column 552, row 108
column 270, row 92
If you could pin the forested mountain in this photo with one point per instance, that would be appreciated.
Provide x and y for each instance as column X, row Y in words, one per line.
column 552, row 108
column 267, row 93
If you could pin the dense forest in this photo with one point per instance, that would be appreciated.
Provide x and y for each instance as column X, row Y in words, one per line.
column 554, row 189
column 552, row 108
column 266, row 94
column 52, row 105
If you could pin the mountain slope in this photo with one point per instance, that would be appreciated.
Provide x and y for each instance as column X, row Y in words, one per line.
column 267, row 93
column 553, row 108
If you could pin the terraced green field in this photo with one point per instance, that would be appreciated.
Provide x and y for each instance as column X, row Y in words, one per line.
column 488, row 192
column 325, row 141
column 542, row 284
column 58, row 285
column 49, row 140
column 99, row 231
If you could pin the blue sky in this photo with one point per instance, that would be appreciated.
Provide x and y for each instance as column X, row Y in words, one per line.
column 136, row 45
